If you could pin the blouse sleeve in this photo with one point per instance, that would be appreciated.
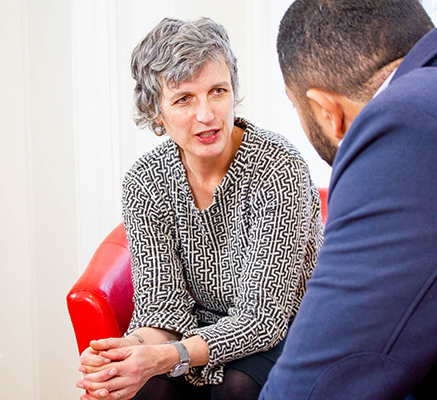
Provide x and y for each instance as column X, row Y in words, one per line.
column 160, row 296
column 282, row 219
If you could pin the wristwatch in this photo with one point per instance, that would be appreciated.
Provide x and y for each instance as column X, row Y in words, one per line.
column 184, row 364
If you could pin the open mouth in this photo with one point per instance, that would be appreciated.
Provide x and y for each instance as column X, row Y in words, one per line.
column 208, row 136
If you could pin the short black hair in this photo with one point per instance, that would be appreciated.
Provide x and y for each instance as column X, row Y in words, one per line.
column 339, row 45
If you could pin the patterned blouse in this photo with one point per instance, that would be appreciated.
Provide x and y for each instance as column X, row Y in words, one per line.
column 240, row 266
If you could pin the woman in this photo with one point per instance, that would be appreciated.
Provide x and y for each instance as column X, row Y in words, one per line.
column 224, row 228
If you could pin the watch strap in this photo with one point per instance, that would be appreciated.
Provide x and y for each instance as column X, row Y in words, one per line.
column 183, row 352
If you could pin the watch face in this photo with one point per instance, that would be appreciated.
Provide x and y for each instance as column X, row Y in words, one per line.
column 180, row 370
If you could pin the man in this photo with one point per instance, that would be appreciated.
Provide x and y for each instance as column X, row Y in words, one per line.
column 362, row 75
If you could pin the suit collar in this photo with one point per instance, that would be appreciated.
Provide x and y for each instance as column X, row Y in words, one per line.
column 424, row 51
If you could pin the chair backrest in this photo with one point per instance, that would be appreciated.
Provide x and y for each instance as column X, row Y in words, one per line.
column 100, row 303
column 323, row 192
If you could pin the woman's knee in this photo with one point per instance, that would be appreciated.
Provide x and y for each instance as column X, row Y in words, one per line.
column 236, row 386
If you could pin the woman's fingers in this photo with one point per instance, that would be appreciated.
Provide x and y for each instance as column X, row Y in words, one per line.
column 108, row 370
column 98, row 395
column 115, row 395
column 92, row 358
column 101, row 376
column 117, row 354
column 100, row 381
column 106, row 344
column 86, row 369
column 115, row 370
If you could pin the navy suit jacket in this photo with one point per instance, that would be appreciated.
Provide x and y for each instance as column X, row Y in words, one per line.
column 367, row 326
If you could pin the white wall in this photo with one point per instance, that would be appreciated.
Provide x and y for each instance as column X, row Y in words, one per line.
column 66, row 140
column 431, row 7
column 39, row 201
column 16, row 311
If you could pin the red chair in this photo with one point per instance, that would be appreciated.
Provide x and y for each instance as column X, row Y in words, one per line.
column 323, row 192
column 100, row 302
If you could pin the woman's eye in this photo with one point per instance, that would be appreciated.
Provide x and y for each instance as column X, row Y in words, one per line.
column 183, row 100
column 219, row 90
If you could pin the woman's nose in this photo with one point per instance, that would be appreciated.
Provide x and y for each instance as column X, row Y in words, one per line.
column 204, row 112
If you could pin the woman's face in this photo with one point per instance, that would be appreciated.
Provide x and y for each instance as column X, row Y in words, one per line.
column 199, row 114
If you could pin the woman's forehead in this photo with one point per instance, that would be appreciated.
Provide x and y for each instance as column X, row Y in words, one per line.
column 213, row 73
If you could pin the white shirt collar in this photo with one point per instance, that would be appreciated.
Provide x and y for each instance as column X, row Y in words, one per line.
column 385, row 84
column 379, row 91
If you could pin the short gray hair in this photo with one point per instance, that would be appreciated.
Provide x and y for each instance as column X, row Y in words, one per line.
column 176, row 50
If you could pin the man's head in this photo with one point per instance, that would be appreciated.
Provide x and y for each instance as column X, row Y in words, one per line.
column 343, row 50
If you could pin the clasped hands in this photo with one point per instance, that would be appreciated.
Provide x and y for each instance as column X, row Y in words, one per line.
column 116, row 369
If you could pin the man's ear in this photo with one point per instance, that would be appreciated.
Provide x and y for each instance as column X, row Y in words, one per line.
column 329, row 110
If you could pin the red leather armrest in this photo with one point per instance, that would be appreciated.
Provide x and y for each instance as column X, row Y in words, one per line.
column 100, row 302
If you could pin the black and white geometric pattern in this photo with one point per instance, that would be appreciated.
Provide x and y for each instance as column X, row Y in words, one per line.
column 244, row 261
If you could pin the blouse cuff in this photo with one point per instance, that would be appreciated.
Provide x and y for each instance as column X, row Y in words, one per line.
column 212, row 372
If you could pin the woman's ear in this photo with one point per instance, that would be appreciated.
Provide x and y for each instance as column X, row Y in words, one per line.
column 326, row 107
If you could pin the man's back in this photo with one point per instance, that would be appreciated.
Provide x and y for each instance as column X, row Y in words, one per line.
column 367, row 327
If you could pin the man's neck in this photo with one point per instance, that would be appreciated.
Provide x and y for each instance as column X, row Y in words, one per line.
column 380, row 80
